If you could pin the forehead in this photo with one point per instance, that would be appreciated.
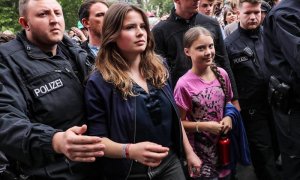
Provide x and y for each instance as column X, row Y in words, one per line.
column 98, row 7
column 35, row 5
column 206, row 2
column 133, row 16
column 250, row 6
column 203, row 40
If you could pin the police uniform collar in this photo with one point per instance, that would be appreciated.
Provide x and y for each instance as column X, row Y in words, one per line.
column 35, row 52
column 253, row 33
column 176, row 17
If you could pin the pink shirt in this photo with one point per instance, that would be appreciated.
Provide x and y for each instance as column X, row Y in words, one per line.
column 203, row 101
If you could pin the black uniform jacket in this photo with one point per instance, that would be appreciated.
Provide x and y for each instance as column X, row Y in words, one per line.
column 91, row 56
column 169, row 34
column 282, row 44
column 246, row 56
column 40, row 94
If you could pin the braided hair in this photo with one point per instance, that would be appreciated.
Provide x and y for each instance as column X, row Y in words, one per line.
column 221, row 79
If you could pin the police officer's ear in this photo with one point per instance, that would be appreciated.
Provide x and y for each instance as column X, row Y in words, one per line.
column 23, row 22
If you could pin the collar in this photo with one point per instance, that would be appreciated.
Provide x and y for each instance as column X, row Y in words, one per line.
column 35, row 52
column 253, row 33
column 94, row 49
column 176, row 17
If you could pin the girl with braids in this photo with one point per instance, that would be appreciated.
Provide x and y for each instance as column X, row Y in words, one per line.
column 201, row 95
column 130, row 103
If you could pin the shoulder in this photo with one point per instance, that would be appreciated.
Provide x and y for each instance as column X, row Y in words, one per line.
column 207, row 21
column 184, row 79
column 231, row 38
column 223, row 72
column 11, row 47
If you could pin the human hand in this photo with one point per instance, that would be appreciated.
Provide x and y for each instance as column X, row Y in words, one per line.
column 214, row 127
column 194, row 164
column 79, row 33
column 148, row 153
column 227, row 123
column 78, row 147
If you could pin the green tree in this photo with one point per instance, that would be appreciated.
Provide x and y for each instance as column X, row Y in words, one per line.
column 70, row 9
column 9, row 15
column 159, row 6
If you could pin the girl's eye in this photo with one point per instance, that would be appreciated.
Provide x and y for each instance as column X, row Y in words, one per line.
column 143, row 26
column 129, row 27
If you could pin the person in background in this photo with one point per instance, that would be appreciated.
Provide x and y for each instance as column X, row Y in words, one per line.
column 130, row 104
column 282, row 57
column 170, row 45
column 206, row 7
column 6, row 37
column 201, row 95
column 230, row 16
column 76, row 35
column 42, row 117
column 245, row 51
column 91, row 14
column 265, row 9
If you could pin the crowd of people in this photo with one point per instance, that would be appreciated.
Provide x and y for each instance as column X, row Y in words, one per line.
column 122, row 97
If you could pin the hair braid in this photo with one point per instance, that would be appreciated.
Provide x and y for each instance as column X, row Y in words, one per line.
column 221, row 80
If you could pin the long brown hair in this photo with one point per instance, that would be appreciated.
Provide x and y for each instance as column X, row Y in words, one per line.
column 112, row 64
column 192, row 35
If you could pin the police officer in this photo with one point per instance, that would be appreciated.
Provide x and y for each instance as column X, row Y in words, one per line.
column 41, row 98
column 282, row 57
column 245, row 52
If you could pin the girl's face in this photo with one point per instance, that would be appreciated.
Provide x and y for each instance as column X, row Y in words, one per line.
column 231, row 16
column 201, row 52
column 133, row 36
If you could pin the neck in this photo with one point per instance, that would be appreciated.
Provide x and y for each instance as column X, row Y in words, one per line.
column 43, row 47
column 184, row 15
column 94, row 40
column 48, row 49
column 134, row 63
column 202, row 72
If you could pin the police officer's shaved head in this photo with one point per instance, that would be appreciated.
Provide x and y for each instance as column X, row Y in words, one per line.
column 23, row 6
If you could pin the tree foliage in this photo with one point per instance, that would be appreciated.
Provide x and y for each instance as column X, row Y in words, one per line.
column 9, row 15
column 161, row 7
column 9, row 11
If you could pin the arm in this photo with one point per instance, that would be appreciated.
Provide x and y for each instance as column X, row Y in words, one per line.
column 288, row 38
column 192, row 159
column 147, row 153
column 98, row 110
column 29, row 143
column 210, row 126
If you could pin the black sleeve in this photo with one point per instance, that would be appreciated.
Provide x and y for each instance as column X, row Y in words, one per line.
column 222, row 60
column 287, row 33
column 29, row 143
column 160, row 46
